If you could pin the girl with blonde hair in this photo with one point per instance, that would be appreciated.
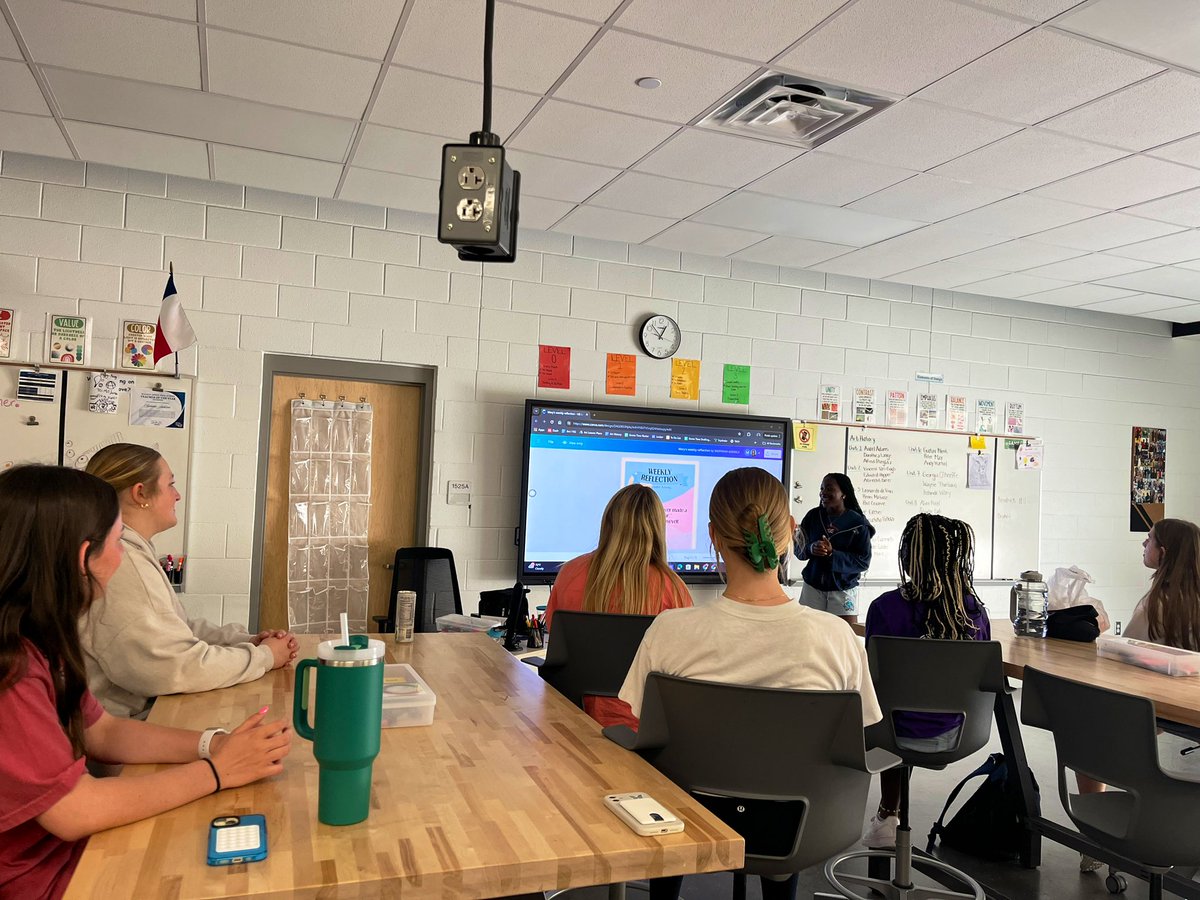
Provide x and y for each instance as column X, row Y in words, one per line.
column 627, row 573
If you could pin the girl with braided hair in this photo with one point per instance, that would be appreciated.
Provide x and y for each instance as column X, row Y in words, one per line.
column 835, row 538
column 753, row 634
column 936, row 599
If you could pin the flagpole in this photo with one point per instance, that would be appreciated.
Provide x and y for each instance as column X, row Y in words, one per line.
column 171, row 272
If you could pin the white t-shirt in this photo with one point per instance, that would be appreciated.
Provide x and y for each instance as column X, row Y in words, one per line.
column 785, row 646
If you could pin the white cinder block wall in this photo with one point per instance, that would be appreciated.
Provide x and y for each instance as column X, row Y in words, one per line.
column 262, row 272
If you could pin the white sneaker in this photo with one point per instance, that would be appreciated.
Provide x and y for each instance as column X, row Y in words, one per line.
column 1088, row 863
column 881, row 833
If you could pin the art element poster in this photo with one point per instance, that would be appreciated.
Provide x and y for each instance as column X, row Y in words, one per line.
column 927, row 410
column 7, row 316
column 137, row 345
column 1148, row 477
column 68, row 340
column 864, row 406
column 897, row 408
column 1014, row 418
column 675, row 484
column 985, row 416
column 956, row 412
column 829, row 404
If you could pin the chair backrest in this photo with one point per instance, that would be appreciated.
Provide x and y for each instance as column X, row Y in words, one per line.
column 791, row 763
column 1146, row 815
column 935, row 676
column 430, row 573
column 590, row 653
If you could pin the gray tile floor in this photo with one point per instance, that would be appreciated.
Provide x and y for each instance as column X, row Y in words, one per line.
column 1057, row 879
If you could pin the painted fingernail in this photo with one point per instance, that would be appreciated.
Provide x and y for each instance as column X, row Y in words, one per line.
column 263, row 710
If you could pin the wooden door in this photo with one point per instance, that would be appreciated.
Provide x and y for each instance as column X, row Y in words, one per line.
column 395, row 470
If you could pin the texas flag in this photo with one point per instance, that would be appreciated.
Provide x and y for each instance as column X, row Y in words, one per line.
column 174, row 330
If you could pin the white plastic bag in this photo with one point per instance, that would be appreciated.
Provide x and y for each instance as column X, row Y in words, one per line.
column 1068, row 587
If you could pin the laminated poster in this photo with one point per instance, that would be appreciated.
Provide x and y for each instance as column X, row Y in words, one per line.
column 985, row 416
column 7, row 318
column 554, row 367
column 68, row 340
column 897, row 408
column 137, row 345
column 864, row 406
column 956, row 412
column 685, row 379
column 804, row 437
column 1014, row 418
column 621, row 375
column 156, row 409
column 735, row 384
column 829, row 403
column 927, row 410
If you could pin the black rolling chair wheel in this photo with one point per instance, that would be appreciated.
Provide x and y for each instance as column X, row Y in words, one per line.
column 1116, row 883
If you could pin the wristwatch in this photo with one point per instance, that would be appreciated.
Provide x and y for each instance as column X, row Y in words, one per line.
column 206, row 741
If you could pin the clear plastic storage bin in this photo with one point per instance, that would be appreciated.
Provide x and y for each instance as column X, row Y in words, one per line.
column 1156, row 657
column 468, row 624
column 407, row 699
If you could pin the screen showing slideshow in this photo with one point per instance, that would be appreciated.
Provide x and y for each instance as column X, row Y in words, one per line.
column 579, row 457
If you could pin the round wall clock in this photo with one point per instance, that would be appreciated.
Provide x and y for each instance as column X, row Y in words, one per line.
column 660, row 336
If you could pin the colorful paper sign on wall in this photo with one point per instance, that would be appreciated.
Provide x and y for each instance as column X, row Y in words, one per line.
column 137, row 345
column 897, row 408
column 804, row 437
column 927, row 410
column 554, row 367
column 1014, row 418
column 978, row 442
column 735, row 384
column 68, row 340
column 7, row 317
column 864, row 406
column 621, row 375
column 985, row 416
column 956, row 412
column 685, row 379
column 829, row 404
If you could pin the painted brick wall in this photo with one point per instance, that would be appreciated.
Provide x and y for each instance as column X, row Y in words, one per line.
column 262, row 272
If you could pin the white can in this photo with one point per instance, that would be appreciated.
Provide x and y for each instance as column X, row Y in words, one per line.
column 406, row 613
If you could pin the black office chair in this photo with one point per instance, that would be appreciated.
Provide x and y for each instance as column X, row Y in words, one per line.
column 430, row 573
column 1146, row 814
column 785, row 769
column 921, row 675
column 589, row 654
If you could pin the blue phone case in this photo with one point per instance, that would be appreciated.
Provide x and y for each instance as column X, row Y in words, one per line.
column 228, row 858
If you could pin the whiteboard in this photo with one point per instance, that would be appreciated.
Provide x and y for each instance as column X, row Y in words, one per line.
column 900, row 472
column 25, row 443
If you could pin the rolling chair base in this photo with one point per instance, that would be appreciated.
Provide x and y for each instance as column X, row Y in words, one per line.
column 901, row 886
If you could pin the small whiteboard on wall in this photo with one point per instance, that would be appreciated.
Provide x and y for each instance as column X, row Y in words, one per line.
column 1018, row 523
column 25, row 442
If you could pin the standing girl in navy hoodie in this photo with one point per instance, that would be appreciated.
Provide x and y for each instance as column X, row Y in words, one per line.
column 835, row 538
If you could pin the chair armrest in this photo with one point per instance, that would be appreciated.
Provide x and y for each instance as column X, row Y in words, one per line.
column 879, row 760
column 536, row 661
column 379, row 621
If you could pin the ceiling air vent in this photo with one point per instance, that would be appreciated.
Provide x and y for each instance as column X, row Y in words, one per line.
column 793, row 109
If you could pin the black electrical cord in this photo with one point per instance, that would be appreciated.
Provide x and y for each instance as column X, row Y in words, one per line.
column 484, row 135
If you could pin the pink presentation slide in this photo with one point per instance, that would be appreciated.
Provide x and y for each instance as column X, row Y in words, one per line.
column 675, row 484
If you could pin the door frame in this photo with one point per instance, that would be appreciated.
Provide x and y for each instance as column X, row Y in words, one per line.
column 274, row 364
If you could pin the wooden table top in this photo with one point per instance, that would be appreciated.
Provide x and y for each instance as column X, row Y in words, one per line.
column 501, row 795
column 1177, row 699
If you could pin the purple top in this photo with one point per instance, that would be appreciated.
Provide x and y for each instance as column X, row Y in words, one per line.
column 893, row 616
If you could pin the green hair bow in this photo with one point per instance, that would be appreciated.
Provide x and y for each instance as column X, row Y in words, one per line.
column 760, row 548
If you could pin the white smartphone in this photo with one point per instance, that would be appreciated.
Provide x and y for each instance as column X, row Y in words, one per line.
column 644, row 814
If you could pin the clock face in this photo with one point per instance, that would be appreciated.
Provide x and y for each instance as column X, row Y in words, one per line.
column 660, row 336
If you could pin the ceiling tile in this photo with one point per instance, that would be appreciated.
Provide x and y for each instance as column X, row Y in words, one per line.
column 366, row 32
column 1125, row 182
column 899, row 47
column 1182, row 314
column 1037, row 10
column 139, row 149
column 1012, row 285
column 947, row 274
column 758, row 31
column 278, row 172
column 19, row 92
column 713, row 158
column 593, row 10
column 691, row 79
column 1038, row 75
column 1186, row 151
column 1104, row 231
column 285, row 75
column 831, row 180
column 559, row 179
column 1090, row 267
column 1174, row 248
column 794, row 252
column 541, row 213
column 713, row 240
column 532, row 48
column 1173, row 281
column 1137, row 304
column 195, row 114
column 1178, row 209
column 929, row 198
column 1077, row 294
column 175, row 9
column 612, row 224
column 591, row 135
column 396, row 191
column 436, row 104
column 657, row 196
column 405, row 152
column 8, row 44
column 1138, row 117
column 1022, row 215
column 794, row 218
column 1165, row 29
column 109, row 41
column 1015, row 256
column 1028, row 159
column 929, row 244
column 917, row 136
column 32, row 134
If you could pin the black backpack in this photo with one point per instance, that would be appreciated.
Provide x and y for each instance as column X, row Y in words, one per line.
column 989, row 825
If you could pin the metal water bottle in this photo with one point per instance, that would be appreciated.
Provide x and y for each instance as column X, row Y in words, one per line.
column 1028, row 603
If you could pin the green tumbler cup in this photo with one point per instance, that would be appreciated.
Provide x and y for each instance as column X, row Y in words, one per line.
column 346, row 734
